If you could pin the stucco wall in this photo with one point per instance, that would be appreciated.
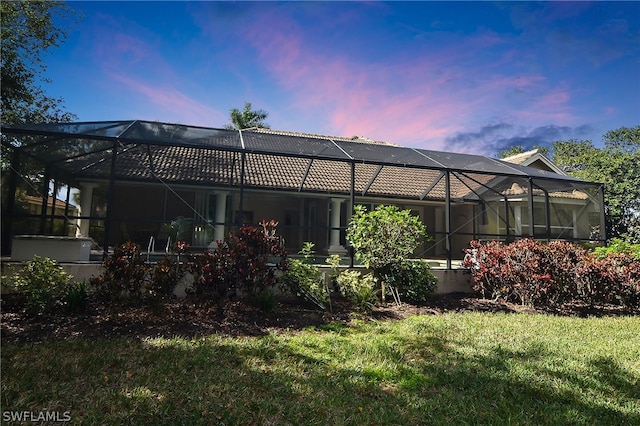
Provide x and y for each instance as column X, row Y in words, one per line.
column 449, row 280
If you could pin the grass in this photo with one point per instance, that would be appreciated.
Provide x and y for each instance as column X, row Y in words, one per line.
column 466, row 368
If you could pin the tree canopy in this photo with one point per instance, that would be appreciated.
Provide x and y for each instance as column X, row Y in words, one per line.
column 617, row 165
column 247, row 118
column 519, row 149
column 28, row 32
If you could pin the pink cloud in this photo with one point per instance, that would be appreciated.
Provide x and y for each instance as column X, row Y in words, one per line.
column 416, row 100
column 138, row 66
column 356, row 95
column 551, row 107
column 170, row 103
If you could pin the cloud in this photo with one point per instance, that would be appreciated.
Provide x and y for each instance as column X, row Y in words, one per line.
column 134, row 67
column 493, row 138
column 406, row 99
column 167, row 101
column 415, row 97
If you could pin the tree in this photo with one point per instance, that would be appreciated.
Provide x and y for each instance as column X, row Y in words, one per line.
column 617, row 165
column 247, row 118
column 519, row 149
column 29, row 31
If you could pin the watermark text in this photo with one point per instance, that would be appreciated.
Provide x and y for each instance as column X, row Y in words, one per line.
column 36, row 416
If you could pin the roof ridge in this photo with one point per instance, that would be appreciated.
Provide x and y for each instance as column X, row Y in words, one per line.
column 522, row 154
column 357, row 139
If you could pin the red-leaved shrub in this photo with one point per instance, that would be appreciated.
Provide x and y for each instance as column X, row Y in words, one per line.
column 535, row 273
column 246, row 260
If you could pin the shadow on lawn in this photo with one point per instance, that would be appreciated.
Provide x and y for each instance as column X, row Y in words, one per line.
column 429, row 377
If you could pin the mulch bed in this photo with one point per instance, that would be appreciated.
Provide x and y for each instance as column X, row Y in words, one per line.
column 188, row 319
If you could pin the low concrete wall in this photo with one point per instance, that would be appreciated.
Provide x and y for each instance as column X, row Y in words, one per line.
column 61, row 249
column 452, row 281
column 449, row 280
column 80, row 272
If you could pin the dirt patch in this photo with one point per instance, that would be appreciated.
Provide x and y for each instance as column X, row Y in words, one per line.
column 241, row 318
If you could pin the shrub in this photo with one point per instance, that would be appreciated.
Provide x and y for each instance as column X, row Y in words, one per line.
column 534, row 273
column 304, row 279
column 164, row 277
column 358, row 289
column 42, row 282
column 413, row 280
column 210, row 279
column 612, row 279
column 167, row 272
column 247, row 261
column 383, row 237
column 334, row 261
column 617, row 246
column 252, row 256
column 125, row 273
column 75, row 296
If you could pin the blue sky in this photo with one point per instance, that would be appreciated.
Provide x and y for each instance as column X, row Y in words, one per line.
column 469, row 77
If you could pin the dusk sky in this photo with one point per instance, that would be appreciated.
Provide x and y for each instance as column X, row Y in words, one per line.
column 467, row 77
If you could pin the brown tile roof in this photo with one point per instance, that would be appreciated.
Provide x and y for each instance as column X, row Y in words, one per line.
column 186, row 165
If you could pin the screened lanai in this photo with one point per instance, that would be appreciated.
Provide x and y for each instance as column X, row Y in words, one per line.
column 149, row 182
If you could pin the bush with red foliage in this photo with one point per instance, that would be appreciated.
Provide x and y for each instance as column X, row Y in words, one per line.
column 125, row 273
column 247, row 260
column 534, row 273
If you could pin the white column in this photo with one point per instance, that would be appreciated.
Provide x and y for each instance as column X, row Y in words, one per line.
column 86, row 196
column 439, row 214
column 574, row 222
column 517, row 214
column 334, row 236
column 221, row 214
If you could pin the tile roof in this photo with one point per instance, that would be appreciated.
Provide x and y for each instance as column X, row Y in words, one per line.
column 275, row 159
column 183, row 165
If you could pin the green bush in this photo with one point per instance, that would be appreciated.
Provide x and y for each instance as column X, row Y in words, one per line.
column 413, row 280
column 75, row 296
column 618, row 246
column 42, row 282
column 358, row 289
column 303, row 278
column 384, row 237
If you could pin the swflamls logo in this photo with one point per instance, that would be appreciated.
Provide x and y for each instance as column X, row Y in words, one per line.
column 36, row 416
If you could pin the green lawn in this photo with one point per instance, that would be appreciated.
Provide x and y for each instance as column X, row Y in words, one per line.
column 467, row 368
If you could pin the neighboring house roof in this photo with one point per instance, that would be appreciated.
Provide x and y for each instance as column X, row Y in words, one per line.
column 59, row 204
column 536, row 159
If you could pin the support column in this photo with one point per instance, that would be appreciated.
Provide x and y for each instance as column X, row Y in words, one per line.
column 517, row 214
column 86, row 197
column 532, row 222
column 603, row 235
column 221, row 215
column 45, row 199
column 334, row 237
column 447, row 210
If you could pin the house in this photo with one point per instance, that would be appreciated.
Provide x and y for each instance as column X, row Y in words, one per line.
column 137, row 177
